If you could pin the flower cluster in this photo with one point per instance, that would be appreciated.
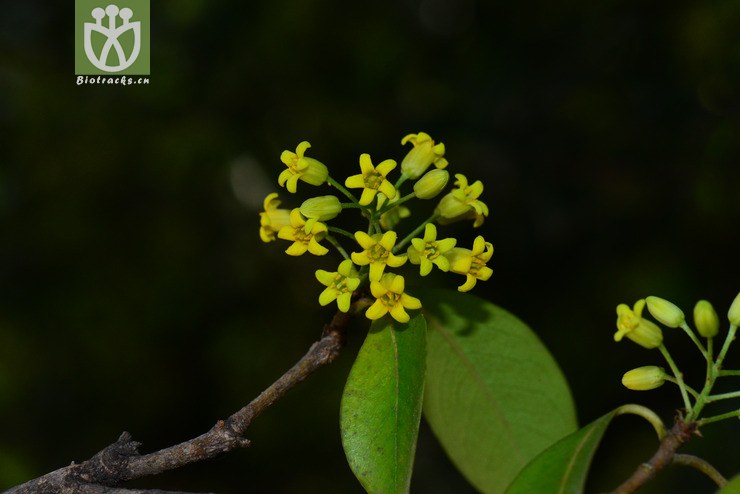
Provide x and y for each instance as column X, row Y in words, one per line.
column 646, row 333
column 378, row 250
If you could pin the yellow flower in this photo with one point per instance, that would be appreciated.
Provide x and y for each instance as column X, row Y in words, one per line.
column 644, row 378
column 390, row 298
column 429, row 251
column 305, row 235
column 471, row 263
column 272, row 219
column 301, row 167
column 631, row 324
column 372, row 179
column 339, row 285
column 377, row 253
column 463, row 203
column 423, row 154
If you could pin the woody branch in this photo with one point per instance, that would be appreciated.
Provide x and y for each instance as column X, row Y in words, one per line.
column 121, row 461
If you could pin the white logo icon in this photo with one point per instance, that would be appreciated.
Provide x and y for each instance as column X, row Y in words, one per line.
column 111, row 32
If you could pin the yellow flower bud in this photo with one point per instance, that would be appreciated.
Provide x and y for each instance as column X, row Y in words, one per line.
column 665, row 312
column 322, row 208
column 734, row 313
column 705, row 319
column 644, row 378
column 431, row 184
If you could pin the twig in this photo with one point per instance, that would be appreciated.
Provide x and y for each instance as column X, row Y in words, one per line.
column 121, row 460
column 678, row 435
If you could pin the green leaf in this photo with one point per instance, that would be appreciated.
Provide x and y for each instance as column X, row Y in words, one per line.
column 494, row 396
column 732, row 487
column 563, row 467
column 381, row 405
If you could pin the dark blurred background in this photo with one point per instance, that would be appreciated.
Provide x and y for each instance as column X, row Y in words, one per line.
column 136, row 294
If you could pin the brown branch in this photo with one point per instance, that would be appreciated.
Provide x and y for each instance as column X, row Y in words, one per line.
column 678, row 435
column 121, row 460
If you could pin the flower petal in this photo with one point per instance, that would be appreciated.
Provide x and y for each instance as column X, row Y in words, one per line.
column 326, row 278
column 296, row 249
column 468, row 285
column 388, row 189
column 376, row 311
column 376, row 270
column 343, row 301
column 385, row 167
column 355, row 182
column 399, row 313
column 388, row 240
column 365, row 240
column 328, row 296
column 360, row 258
column 315, row 248
column 367, row 196
column 301, row 149
column 410, row 302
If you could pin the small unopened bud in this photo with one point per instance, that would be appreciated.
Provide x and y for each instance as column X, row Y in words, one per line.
column 705, row 319
column 734, row 313
column 644, row 378
column 322, row 208
column 665, row 312
column 431, row 184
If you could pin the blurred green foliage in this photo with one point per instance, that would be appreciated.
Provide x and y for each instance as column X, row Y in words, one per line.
column 135, row 292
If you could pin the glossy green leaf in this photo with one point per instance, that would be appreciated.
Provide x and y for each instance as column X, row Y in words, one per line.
column 563, row 467
column 732, row 487
column 494, row 396
column 381, row 405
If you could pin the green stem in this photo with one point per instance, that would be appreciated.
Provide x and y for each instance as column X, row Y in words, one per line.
column 401, row 180
column 374, row 226
column 703, row 466
column 341, row 189
column 341, row 232
column 723, row 396
column 717, row 418
column 729, row 373
column 392, row 205
column 679, row 377
column 726, row 346
column 713, row 375
column 414, row 233
column 710, row 361
column 337, row 246
column 691, row 390
column 645, row 413
column 696, row 341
